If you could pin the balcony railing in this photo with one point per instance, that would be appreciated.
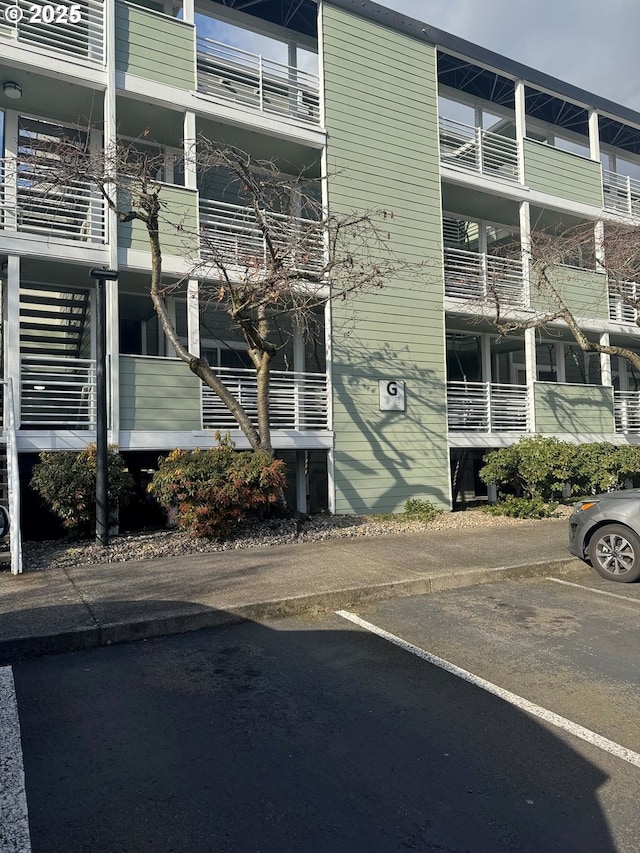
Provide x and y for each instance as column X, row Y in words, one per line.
column 482, row 277
column 248, row 78
column 230, row 236
column 75, row 29
column 57, row 392
column 297, row 401
column 626, row 410
column 621, row 193
column 34, row 202
column 487, row 407
column 475, row 150
column 621, row 311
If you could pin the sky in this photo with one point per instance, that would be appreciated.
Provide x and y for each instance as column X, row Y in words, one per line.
column 593, row 44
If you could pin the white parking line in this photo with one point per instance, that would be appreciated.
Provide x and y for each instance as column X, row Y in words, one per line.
column 591, row 589
column 518, row 701
column 14, row 820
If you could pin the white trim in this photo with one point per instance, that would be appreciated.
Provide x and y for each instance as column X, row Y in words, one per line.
column 513, row 191
column 12, row 331
column 206, row 106
column 562, row 723
column 190, row 439
column 83, row 72
column 15, row 815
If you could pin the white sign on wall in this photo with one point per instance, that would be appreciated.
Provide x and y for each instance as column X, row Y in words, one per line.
column 391, row 395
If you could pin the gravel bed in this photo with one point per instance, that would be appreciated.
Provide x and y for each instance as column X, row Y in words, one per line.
column 38, row 556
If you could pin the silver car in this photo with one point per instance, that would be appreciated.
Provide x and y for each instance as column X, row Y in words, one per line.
column 605, row 531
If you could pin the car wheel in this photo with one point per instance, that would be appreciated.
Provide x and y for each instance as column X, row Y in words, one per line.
column 614, row 552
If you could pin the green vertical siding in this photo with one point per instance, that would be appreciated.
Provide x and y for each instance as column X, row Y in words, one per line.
column 562, row 174
column 154, row 46
column 158, row 394
column 573, row 408
column 585, row 293
column 178, row 224
column 381, row 119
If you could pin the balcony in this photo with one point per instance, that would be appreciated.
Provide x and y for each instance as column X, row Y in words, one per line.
column 481, row 277
column 76, row 31
column 231, row 238
column 31, row 204
column 297, row 401
column 472, row 149
column 621, row 193
column 57, row 393
column 251, row 80
column 621, row 311
column 487, row 407
column 626, row 409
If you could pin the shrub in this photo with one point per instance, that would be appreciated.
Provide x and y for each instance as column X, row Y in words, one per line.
column 420, row 510
column 66, row 481
column 522, row 508
column 537, row 466
column 595, row 468
column 208, row 489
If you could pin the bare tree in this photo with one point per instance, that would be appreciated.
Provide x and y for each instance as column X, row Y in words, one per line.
column 615, row 253
column 298, row 256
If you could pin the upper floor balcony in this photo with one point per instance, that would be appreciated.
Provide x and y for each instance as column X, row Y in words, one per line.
column 489, row 407
column 473, row 149
column 477, row 276
column 72, row 30
column 621, row 193
column 230, row 236
column 33, row 202
column 623, row 299
column 249, row 79
column 160, row 393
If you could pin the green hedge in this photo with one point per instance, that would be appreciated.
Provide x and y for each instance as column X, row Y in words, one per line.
column 541, row 467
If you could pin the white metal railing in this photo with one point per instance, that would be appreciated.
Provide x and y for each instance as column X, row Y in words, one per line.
column 487, row 407
column 296, row 400
column 73, row 28
column 620, row 310
column 58, row 392
column 626, row 410
column 251, row 79
column 621, row 193
column 476, row 275
column 13, row 475
column 33, row 200
column 477, row 150
column 230, row 234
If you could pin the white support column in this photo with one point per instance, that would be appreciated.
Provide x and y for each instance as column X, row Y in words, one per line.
column 521, row 125
column 605, row 362
column 188, row 11
column 172, row 312
column 531, row 371
column 190, row 173
column 10, row 216
column 485, row 345
column 594, row 153
column 594, row 136
column 11, row 330
column 525, row 250
column 112, row 287
column 301, row 481
column 559, row 361
column 193, row 317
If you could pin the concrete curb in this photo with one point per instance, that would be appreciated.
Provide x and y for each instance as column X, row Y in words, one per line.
column 194, row 619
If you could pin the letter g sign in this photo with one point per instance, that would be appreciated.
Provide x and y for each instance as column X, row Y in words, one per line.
column 391, row 393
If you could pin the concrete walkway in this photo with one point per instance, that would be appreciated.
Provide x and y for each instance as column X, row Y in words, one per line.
column 93, row 605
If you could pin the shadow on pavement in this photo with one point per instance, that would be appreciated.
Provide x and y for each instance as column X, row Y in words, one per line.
column 298, row 736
